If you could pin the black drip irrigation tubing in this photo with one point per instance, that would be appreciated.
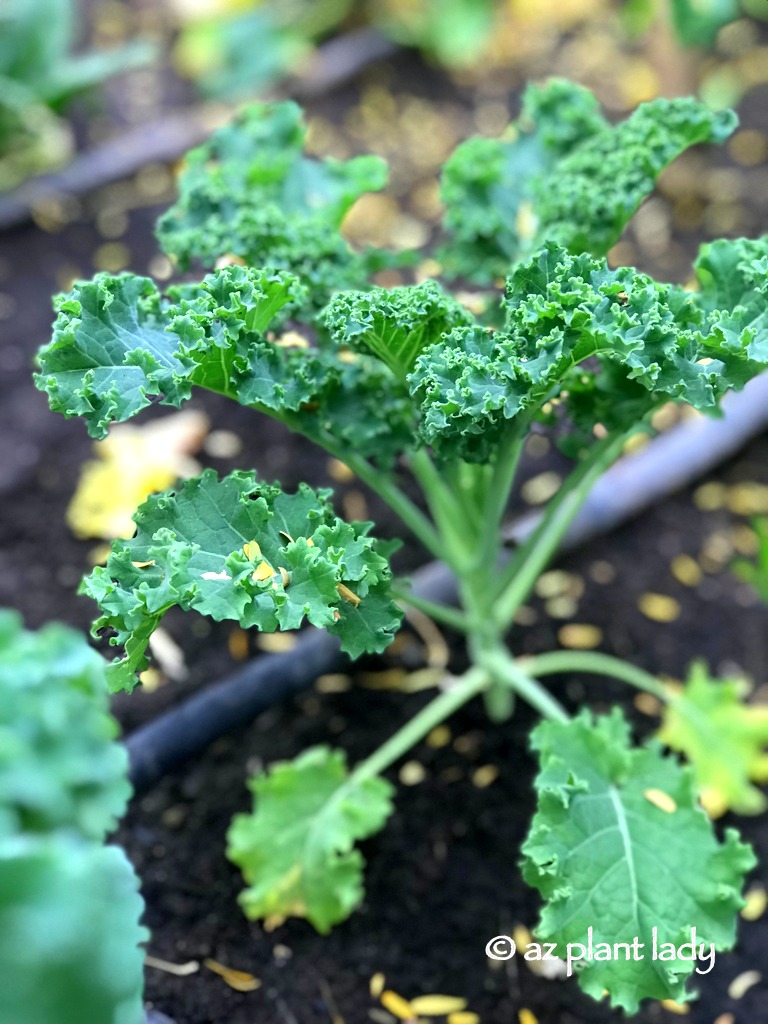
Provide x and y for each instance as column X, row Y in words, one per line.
column 668, row 463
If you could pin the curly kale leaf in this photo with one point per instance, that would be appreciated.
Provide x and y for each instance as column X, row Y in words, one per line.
column 561, row 173
column 250, row 192
column 118, row 344
column 60, row 767
column 243, row 550
column 613, row 343
column 487, row 184
column 619, row 847
column 596, row 189
column 70, row 938
column 297, row 848
column 394, row 324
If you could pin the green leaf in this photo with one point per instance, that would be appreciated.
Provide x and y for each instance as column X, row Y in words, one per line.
column 69, row 933
column 755, row 572
column 117, row 344
column 596, row 189
column 243, row 550
column 724, row 738
column 394, row 324
column 487, row 184
column 697, row 22
column 653, row 342
column 250, row 192
column 605, row 856
column 60, row 767
column 297, row 848
column 562, row 173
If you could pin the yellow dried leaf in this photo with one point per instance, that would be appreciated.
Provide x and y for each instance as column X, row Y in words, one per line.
column 179, row 970
column 396, row 1005
column 263, row 571
column 526, row 1016
column 681, row 1009
column 252, row 550
column 376, row 984
column 742, row 983
column 580, row 636
column 686, row 570
column 438, row 1006
column 241, row 981
column 132, row 463
column 463, row 1017
column 757, row 901
column 659, row 607
column 485, row 775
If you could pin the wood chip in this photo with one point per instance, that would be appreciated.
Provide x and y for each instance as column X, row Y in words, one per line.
column 396, row 1005
column 541, row 488
column 681, row 1009
column 647, row 704
column 439, row 737
column 276, row 643
column 412, row 773
column 333, row 682
column 757, row 901
column 179, row 970
column 710, row 496
column 686, row 570
column 437, row 1005
column 742, row 983
column 579, row 636
column 240, row 981
column 659, row 607
column 376, row 985
column 485, row 776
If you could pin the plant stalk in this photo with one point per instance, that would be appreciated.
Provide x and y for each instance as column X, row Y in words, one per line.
column 594, row 663
column 532, row 557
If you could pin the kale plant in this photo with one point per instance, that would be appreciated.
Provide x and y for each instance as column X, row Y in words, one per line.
column 407, row 381
column 69, row 907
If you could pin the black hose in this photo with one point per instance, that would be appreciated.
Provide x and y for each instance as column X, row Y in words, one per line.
column 671, row 461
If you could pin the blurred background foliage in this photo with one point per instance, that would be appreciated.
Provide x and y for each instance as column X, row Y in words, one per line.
column 440, row 71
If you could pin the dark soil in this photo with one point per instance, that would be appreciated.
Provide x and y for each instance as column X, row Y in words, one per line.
column 442, row 878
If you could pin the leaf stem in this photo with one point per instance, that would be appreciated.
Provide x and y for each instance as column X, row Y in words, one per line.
column 386, row 488
column 532, row 557
column 504, row 471
column 451, row 699
column 455, row 531
column 594, row 663
column 507, row 671
column 451, row 617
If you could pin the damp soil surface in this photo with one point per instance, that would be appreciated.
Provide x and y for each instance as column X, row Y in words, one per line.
column 443, row 877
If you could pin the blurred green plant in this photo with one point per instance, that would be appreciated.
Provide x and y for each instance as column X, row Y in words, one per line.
column 38, row 74
column 69, row 906
column 755, row 571
column 238, row 46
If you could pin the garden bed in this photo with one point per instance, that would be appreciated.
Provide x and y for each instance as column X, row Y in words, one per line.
column 443, row 877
